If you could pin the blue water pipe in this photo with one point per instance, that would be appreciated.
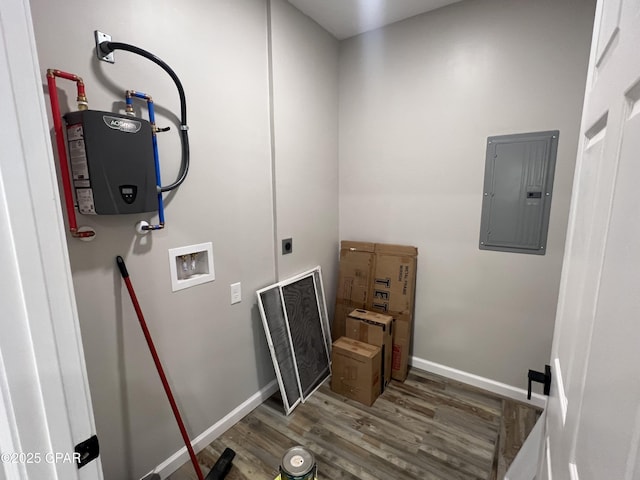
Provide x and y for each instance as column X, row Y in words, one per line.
column 156, row 157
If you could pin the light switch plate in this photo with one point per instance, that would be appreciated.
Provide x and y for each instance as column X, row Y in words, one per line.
column 236, row 293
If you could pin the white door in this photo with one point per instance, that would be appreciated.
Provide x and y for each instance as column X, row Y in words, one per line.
column 45, row 407
column 593, row 415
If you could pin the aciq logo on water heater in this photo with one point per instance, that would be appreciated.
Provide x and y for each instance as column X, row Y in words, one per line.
column 122, row 124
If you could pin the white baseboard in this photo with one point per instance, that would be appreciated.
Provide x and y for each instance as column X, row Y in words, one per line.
column 179, row 458
column 498, row 388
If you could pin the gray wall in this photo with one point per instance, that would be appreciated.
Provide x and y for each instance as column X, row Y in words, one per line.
column 215, row 354
column 305, row 86
column 417, row 102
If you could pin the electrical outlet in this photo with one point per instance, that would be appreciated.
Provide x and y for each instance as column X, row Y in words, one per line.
column 236, row 293
column 287, row 246
column 103, row 37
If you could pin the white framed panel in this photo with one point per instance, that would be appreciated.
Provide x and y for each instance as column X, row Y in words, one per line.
column 294, row 317
column 276, row 331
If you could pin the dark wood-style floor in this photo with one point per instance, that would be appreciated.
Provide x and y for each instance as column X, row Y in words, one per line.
column 426, row 428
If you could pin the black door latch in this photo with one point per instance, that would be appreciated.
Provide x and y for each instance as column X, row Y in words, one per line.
column 540, row 377
column 87, row 451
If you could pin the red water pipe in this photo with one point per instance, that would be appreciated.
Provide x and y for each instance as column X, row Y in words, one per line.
column 60, row 143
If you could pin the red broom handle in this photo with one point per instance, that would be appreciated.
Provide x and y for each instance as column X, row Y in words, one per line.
column 156, row 360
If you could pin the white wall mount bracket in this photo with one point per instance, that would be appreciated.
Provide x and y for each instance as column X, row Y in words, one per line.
column 103, row 37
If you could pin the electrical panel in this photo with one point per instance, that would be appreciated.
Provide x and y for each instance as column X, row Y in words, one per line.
column 112, row 163
column 517, row 193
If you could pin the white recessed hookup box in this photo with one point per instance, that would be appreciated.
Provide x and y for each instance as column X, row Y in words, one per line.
column 191, row 265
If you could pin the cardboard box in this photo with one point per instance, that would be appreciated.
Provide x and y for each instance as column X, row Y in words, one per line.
column 356, row 370
column 389, row 271
column 401, row 346
column 374, row 329
column 393, row 293
column 394, row 280
column 354, row 282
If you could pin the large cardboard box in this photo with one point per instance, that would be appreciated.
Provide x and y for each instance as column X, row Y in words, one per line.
column 393, row 293
column 374, row 329
column 401, row 346
column 394, row 280
column 354, row 282
column 389, row 273
column 356, row 370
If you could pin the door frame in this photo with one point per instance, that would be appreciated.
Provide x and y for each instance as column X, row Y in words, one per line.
column 45, row 403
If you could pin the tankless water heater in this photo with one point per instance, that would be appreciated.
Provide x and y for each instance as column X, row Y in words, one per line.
column 112, row 163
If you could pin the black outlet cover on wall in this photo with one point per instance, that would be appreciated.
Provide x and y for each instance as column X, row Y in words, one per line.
column 287, row 246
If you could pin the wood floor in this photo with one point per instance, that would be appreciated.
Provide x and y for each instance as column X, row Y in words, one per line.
column 426, row 428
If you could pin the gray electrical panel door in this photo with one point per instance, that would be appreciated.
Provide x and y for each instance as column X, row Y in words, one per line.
column 518, row 183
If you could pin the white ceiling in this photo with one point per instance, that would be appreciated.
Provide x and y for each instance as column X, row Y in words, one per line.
column 346, row 18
